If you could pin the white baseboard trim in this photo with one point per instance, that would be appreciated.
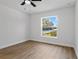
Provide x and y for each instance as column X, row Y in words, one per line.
column 5, row 46
column 62, row 44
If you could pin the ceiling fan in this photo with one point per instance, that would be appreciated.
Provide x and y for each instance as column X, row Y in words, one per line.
column 29, row 2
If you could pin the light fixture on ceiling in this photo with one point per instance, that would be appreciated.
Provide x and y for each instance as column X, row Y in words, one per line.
column 28, row 2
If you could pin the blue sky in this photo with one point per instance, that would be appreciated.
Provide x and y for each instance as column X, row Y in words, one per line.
column 54, row 20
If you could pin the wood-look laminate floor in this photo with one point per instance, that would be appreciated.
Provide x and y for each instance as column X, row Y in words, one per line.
column 37, row 50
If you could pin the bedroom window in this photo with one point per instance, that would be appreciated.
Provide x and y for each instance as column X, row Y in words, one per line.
column 49, row 26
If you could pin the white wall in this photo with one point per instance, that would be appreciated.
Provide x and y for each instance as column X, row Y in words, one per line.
column 66, row 27
column 76, row 29
column 14, row 26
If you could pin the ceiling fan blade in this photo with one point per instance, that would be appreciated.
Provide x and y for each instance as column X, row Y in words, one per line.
column 33, row 4
column 36, row 0
column 22, row 3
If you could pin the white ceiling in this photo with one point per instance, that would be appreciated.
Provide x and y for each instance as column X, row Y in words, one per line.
column 44, row 5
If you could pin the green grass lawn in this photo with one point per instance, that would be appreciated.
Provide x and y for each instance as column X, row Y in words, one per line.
column 51, row 34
